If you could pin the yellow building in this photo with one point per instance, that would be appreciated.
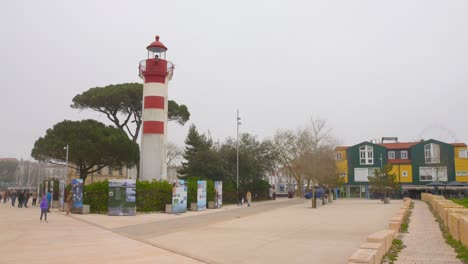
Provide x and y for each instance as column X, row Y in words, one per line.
column 105, row 174
column 461, row 162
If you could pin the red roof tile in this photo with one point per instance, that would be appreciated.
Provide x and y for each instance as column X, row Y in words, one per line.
column 341, row 148
column 399, row 161
column 402, row 145
column 458, row 144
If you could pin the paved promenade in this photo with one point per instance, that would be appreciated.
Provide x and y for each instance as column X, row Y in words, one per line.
column 424, row 242
column 281, row 231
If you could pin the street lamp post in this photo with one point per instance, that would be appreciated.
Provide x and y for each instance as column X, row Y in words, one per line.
column 66, row 177
column 66, row 165
column 237, row 147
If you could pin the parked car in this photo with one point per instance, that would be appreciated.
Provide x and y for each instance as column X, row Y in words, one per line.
column 318, row 193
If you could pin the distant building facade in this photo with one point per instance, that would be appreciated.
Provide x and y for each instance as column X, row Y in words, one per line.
column 414, row 163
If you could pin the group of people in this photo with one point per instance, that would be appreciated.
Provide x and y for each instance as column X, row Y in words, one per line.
column 23, row 196
column 20, row 196
column 248, row 198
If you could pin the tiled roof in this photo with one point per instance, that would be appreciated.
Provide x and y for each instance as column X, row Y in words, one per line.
column 402, row 145
column 458, row 144
column 399, row 161
column 341, row 148
column 8, row 159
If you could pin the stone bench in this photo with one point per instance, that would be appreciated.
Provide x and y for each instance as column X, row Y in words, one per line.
column 463, row 230
column 395, row 226
column 379, row 247
column 448, row 210
column 384, row 236
column 454, row 223
column 363, row 256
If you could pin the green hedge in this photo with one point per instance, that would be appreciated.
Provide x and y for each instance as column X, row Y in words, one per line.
column 150, row 197
column 97, row 196
column 153, row 196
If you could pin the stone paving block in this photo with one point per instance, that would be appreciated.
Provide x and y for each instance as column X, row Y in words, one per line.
column 363, row 256
column 449, row 210
column 395, row 226
column 397, row 219
column 383, row 236
column 454, row 225
column 442, row 206
column 379, row 247
column 463, row 230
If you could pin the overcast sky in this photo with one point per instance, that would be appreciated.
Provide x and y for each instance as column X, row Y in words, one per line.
column 371, row 68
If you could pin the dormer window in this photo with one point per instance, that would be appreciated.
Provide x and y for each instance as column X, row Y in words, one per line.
column 391, row 155
column 366, row 154
column 432, row 153
column 404, row 154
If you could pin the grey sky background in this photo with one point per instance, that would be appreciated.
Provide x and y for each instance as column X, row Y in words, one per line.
column 371, row 68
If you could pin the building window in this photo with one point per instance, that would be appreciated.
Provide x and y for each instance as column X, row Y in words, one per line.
column 462, row 173
column 366, row 154
column 404, row 174
column 404, row 154
column 463, row 154
column 391, row 155
column 432, row 153
column 98, row 172
column 433, row 173
column 120, row 171
column 338, row 156
column 362, row 174
column 109, row 171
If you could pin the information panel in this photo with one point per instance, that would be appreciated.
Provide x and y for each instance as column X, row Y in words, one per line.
column 179, row 197
column 201, row 195
column 218, row 202
column 77, row 188
column 122, row 197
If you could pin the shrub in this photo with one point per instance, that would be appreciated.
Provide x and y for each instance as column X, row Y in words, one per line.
column 229, row 192
column 153, row 196
column 97, row 196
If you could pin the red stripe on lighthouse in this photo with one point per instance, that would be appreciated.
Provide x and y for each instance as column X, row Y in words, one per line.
column 153, row 127
column 154, row 102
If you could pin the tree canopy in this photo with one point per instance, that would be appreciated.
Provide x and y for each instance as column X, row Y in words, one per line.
column 122, row 105
column 383, row 182
column 92, row 146
column 308, row 154
column 207, row 160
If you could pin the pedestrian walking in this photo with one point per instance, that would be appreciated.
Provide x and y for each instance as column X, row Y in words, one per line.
column 44, row 208
column 34, row 196
column 7, row 193
column 26, row 199
column 69, row 201
column 249, row 198
column 20, row 198
column 240, row 199
column 49, row 199
column 13, row 197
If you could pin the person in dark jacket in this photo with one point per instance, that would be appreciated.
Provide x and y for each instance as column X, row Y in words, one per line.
column 44, row 207
column 20, row 198
column 26, row 199
column 13, row 197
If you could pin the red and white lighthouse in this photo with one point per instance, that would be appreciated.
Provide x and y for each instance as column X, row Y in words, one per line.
column 156, row 73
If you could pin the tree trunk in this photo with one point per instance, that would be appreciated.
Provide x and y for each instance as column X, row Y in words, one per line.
column 330, row 198
column 314, row 200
